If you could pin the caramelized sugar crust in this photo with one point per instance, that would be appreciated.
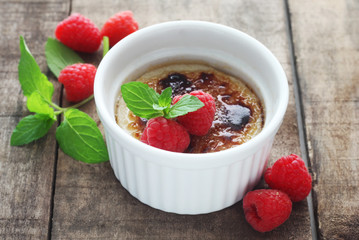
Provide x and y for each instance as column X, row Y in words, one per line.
column 239, row 112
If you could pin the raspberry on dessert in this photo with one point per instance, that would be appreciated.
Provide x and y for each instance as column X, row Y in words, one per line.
column 119, row 26
column 165, row 134
column 79, row 33
column 199, row 122
column 78, row 80
column 290, row 175
column 266, row 209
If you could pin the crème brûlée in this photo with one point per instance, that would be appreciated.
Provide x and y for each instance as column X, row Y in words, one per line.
column 239, row 112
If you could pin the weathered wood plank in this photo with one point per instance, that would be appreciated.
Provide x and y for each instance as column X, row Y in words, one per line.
column 26, row 173
column 326, row 41
column 91, row 203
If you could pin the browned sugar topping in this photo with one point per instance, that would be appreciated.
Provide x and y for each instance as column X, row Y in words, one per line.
column 235, row 116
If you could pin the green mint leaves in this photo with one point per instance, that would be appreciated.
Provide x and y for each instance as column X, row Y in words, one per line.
column 31, row 128
column 140, row 99
column 188, row 103
column 78, row 134
column 30, row 76
column 145, row 102
column 34, row 83
column 79, row 137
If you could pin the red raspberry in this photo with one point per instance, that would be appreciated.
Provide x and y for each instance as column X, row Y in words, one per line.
column 165, row 134
column 266, row 209
column 198, row 122
column 79, row 33
column 119, row 26
column 78, row 80
column 290, row 175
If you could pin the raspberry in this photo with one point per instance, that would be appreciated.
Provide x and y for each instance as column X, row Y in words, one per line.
column 79, row 33
column 198, row 122
column 119, row 26
column 290, row 175
column 165, row 134
column 266, row 209
column 78, row 80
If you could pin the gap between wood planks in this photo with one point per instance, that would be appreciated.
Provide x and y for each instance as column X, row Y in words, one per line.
column 300, row 116
column 52, row 203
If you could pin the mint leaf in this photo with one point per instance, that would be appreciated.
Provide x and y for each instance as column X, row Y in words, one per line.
column 31, row 128
column 30, row 76
column 188, row 103
column 36, row 103
column 58, row 56
column 140, row 99
column 158, row 107
column 165, row 98
column 80, row 138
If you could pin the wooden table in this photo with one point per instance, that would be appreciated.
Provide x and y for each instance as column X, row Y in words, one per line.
column 45, row 194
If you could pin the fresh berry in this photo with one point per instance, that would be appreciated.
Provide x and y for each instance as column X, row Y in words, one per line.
column 266, row 209
column 165, row 134
column 290, row 175
column 79, row 33
column 119, row 26
column 78, row 80
column 199, row 122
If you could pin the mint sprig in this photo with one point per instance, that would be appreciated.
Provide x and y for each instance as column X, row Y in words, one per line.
column 78, row 134
column 145, row 102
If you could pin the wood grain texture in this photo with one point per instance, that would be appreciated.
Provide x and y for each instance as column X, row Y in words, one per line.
column 326, row 40
column 89, row 201
column 26, row 173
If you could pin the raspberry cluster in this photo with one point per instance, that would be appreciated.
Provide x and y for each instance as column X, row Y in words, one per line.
column 81, row 34
column 174, row 135
column 266, row 209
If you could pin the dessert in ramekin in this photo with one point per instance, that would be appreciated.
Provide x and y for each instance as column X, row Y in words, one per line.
column 187, row 183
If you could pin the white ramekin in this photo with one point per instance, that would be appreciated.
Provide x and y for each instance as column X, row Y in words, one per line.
column 179, row 182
